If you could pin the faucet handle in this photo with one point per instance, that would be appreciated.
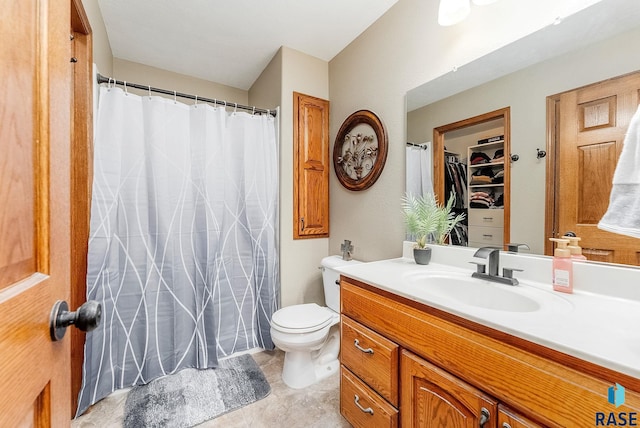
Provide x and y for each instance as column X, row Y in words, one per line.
column 513, row 247
column 480, row 267
column 508, row 272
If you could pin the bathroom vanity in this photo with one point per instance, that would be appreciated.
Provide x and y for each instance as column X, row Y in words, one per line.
column 413, row 353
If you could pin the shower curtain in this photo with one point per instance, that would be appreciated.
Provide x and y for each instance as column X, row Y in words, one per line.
column 183, row 251
column 418, row 170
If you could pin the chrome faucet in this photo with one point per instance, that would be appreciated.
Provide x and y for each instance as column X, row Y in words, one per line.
column 346, row 249
column 491, row 269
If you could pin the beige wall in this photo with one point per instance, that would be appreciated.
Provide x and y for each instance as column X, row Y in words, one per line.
column 289, row 71
column 156, row 77
column 266, row 91
column 102, row 55
column 299, row 259
column 525, row 92
column 400, row 51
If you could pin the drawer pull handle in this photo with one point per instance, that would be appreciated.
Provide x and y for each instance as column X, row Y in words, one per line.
column 505, row 425
column 484, row 417
column 366, row 351
column 356, row 400
column 487, row 236
column 487, row 218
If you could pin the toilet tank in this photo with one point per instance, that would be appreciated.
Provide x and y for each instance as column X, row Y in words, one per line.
column 329, row 278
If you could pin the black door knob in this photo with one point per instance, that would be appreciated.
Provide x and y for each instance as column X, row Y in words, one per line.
column 86, row 318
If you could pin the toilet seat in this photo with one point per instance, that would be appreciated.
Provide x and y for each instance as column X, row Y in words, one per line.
column 303, row 318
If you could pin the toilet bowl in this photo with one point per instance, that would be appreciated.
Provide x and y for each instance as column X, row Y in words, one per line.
column 309, row 334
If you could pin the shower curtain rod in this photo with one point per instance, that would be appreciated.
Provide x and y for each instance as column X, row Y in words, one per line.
column 423, row 146
column 253, row 109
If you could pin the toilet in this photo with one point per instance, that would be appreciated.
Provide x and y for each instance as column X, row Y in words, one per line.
column 309, row 334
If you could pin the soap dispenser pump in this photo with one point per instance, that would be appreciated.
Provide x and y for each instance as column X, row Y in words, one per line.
column 562, row 266
column 575, row 248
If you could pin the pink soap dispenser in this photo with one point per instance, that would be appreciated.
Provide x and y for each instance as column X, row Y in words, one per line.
column 575, row 248
column 562, row 266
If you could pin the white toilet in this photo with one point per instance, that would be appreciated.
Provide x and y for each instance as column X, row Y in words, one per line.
column 310, row 334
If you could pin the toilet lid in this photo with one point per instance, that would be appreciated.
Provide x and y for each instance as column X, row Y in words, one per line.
column 302, row 318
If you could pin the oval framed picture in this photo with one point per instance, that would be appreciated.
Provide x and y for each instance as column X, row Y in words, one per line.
column 360, row 150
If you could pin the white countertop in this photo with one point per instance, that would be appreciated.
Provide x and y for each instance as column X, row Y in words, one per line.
column 600, row 328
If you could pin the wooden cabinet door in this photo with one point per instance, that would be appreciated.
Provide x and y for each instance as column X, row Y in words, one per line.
column 35, row 82
column 507, row 418
column 433, row 398
column 310, row 167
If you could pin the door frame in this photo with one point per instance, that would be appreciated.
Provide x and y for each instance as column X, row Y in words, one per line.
column 438, row 158
column 551, row 203
column 81, row 172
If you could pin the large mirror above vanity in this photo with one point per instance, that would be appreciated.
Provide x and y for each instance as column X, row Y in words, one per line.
column 524, row 79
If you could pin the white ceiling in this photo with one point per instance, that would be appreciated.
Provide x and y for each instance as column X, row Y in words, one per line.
column 232, row 41
column 597, row 22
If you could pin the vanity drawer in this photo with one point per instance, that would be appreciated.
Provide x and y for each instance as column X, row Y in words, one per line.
column 483, row 236
column 372, row 357
column 361, row 406
column 486, row 218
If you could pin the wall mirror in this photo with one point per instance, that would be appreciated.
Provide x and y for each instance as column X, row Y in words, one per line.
column 587, row 47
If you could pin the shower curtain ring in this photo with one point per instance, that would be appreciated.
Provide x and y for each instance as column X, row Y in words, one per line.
column 235, row 109
column 254, row 110
column 109, row 84
column 125, row 88
column 149, row 91
column 196, row 104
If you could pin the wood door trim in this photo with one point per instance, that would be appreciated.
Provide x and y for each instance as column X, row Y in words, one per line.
column 81, row 178
column 79, row 19
column 550, row 221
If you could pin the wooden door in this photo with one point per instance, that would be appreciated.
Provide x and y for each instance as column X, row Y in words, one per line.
column 433, row 398
column 591, row 125
column 34, row 210
column 310, row 167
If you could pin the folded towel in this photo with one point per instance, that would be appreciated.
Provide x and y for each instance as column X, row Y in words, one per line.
column 623, row 214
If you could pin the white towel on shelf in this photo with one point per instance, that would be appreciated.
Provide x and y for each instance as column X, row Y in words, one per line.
column 623, row 214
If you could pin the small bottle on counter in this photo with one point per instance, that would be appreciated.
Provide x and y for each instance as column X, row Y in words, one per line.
column 562, row 266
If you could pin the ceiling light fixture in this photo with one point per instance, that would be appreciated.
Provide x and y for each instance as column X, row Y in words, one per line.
column 451, row 12
column 483, row 2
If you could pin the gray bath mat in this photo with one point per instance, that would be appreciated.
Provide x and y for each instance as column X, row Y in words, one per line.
column 193, row 396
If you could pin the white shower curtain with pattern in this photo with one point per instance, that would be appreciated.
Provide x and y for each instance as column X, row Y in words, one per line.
column 418, row 170
column 183, row 251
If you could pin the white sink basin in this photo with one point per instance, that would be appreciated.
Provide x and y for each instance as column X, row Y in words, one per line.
column 477, row 292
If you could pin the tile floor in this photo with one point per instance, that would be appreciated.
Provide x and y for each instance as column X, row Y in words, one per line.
column 317, row 406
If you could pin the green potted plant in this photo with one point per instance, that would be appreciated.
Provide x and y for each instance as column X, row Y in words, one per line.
column 430, row 221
